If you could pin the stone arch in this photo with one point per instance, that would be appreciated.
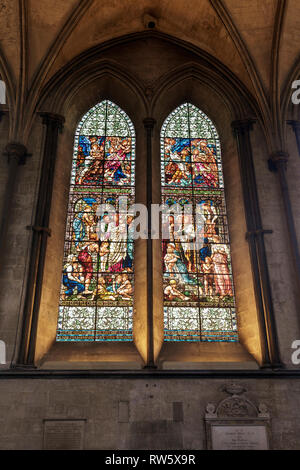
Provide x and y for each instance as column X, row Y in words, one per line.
column 100, row 73
column 118, row 91
column 191, row 89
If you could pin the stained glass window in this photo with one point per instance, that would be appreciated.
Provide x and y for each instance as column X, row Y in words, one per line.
column 199, row 302
column 96, row 297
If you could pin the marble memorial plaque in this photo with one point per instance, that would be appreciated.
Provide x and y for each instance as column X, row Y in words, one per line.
column 63, row 434
column 246, row 437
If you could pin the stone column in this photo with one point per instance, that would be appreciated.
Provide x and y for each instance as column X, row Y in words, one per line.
column 296, row 128
column 16, row 154
column 255, row 237
column 149, row 125
column 53, row 124
column 278, row 163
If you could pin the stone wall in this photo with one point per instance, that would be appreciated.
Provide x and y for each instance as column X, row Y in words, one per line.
column 141, row 412
column 137, row 413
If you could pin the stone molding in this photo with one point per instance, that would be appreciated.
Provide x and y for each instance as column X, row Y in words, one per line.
column 236, row 406
column 16, row 152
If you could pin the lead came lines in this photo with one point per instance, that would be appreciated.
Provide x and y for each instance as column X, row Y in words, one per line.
column 101, row 170
column 204, row 188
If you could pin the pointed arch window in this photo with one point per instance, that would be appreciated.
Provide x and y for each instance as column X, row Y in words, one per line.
column 199, row 301
column 96, row 299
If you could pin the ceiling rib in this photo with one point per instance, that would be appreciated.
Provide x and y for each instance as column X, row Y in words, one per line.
column 38, row 81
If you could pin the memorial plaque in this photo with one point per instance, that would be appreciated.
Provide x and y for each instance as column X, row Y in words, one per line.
column 239, row 437
column 63, row 434
column 236, row 423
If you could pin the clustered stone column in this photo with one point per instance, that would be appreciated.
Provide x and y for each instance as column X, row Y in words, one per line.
column 255, row 237
column 41, row 231
column 149, row 125
column 296, row 128
column 278, row 163
column 16, row 154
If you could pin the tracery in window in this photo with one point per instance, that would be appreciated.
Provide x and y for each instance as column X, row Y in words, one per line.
column 96, row 297
column 199, row 302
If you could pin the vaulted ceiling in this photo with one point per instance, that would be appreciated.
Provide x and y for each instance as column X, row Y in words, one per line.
column 258, row 40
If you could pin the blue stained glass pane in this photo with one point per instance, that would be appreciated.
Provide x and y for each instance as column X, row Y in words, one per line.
column 199, row 301
column 96, row 297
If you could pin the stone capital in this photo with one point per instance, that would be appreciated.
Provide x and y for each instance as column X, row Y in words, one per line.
column 53, row 120
column 241, row 126
column 149, row 123
column 278, row 160
column 3, row 112
column 16, row 152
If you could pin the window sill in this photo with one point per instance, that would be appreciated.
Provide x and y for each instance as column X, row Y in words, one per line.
column 101, row 356
column 124, row 356
column 207, row 356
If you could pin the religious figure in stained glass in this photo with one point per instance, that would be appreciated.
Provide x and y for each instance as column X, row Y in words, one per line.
column 97, row 283
column 199, row 303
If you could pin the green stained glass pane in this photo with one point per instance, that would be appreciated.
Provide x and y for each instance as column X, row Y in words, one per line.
column 97, row 285
column 198, row 282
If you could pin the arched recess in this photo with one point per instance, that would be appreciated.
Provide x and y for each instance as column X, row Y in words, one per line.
column 287, row 90
column 289, row 110
column 10, row 88
column 191, row 87
column 125, row 72
column 106, row 86
column 291, row 128
column 7, row 76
